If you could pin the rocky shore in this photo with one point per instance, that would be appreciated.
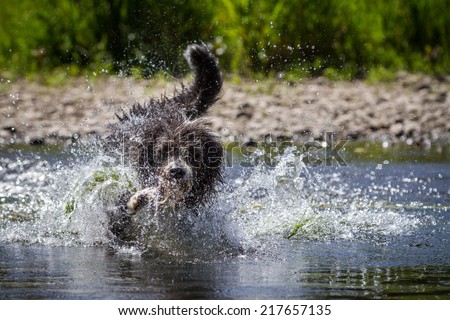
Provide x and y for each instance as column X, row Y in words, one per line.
column 412, row 108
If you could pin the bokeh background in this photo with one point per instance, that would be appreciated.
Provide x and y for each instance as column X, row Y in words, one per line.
column 340, row 39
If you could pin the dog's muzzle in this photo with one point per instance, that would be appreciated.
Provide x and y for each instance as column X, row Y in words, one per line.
column 176, row 182
column 177, row 171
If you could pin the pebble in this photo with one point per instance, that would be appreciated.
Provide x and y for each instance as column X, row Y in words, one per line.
column 413, row 106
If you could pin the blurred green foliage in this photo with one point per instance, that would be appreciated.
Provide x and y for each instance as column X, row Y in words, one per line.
column 294, row 38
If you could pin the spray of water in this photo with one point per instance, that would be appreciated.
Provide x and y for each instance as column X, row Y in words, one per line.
column 289, row 201
column 64, row 203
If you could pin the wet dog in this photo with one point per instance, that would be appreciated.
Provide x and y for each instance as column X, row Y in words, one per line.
column 176, row 155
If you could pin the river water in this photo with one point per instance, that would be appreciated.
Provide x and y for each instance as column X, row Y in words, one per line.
column 286, row 231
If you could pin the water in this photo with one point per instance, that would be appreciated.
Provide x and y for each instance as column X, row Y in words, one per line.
column 366, row 230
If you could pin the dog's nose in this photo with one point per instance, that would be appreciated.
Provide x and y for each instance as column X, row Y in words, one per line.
column 177, row 172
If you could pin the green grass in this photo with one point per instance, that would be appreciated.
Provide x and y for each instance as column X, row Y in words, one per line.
column 341, row 39
column 108, row 182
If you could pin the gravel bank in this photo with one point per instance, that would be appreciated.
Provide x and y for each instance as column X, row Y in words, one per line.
column 413, row 108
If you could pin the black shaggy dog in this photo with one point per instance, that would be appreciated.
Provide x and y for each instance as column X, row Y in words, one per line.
column 177, row 157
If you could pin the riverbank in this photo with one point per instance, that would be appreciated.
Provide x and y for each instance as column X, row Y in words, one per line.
column 412, row 108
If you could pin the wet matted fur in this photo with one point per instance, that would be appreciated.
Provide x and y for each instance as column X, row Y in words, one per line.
column 177, row 157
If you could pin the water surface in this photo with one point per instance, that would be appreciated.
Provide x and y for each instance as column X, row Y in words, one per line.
column 367, row 230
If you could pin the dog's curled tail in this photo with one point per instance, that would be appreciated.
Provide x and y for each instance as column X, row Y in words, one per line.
column 207, row 83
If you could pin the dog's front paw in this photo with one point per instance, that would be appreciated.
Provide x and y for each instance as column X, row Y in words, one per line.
column 140, row 199
column 135, row 203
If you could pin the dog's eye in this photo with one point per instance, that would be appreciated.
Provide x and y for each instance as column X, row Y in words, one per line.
column 156, row 155
column 150, row 156
column 194, row 156
column 165, row 150
column 161, row 154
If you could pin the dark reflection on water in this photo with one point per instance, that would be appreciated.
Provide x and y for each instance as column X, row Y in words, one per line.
column 300, row 270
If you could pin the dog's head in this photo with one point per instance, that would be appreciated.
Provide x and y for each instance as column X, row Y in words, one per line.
column 182, row 158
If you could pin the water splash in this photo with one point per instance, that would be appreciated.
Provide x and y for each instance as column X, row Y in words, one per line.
column 294, row 202
column 49, row 201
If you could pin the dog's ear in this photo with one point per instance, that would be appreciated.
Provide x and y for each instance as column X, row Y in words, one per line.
column 212, row 155
column 207, row 84
column 208, row 172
